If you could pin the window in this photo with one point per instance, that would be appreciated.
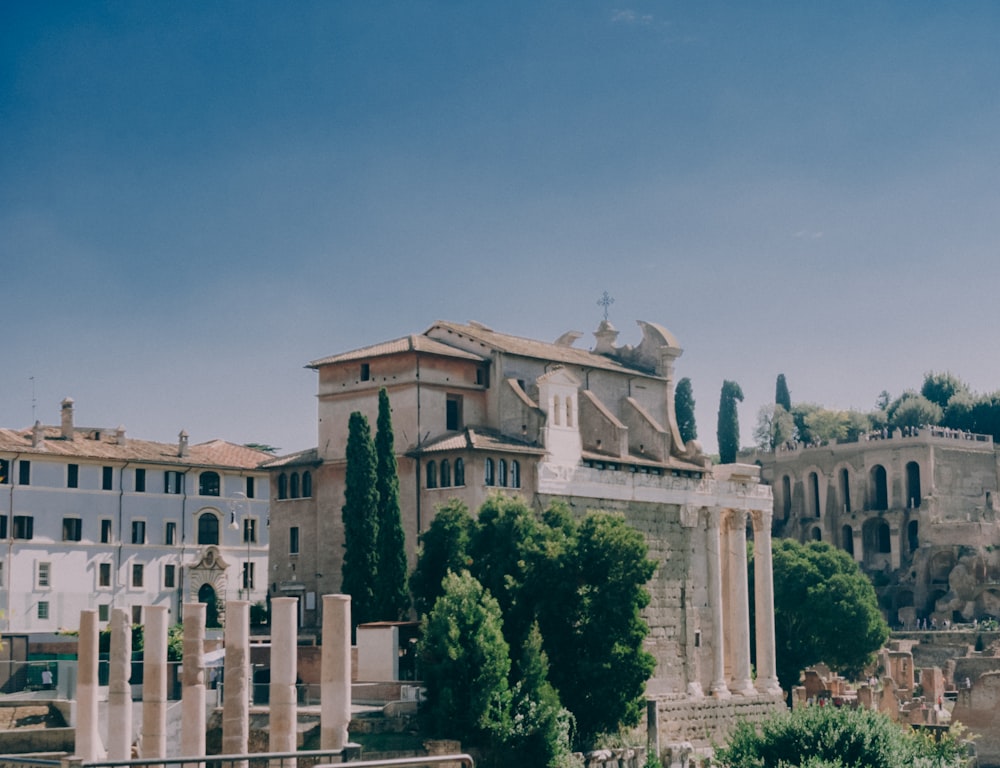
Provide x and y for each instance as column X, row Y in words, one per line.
column 293, row 486
column 104, row 574
column 107, row 478
column 515, row 474
column 137, row 614
column 170, row 534
column 24, row 527
column 293, row 540
column 453, row 412
column 248, row 575
column 208, row 484
column 249, row 530
column 138, row 531
column 3, row 526
column 137, row 574
column 24, row 472
column 73, row 476
column 366, row 372
column 282, row 486
column 103, row 611
column 445, row 473
column 208, row 528
column 432, row 481
column 43, row 576
column 140, row 481
column 502, row 473
column 307, row 485
column 250, row 488
column 173, row 482
column 72, row 529
column 488, row 472
column 105, row 531
column 459, row 472
column 4, row 472
column 43, row 609
column 169, row 576
column 1, row 573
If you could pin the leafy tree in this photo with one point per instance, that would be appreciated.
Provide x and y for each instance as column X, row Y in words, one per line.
column 392, row 597
column 800, row 415
column 940, row 388
column 844, row 737
column 360, row 516
column 728, row 429
column 857, row 424
column 883, row 400
column 819, row 592
column 684, row 410
column 782, row 396
column 915, row 411
column 444, row 547
column 465, row 663
column 825, row 426
column 774, row 427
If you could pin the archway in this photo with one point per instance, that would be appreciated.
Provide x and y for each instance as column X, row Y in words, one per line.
column 912, row 535
column 206, row 594
column 847, row 539
column 879, row 488
column 814, row 494
column 913, row 484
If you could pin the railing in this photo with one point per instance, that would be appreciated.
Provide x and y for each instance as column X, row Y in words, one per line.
column 311, row 758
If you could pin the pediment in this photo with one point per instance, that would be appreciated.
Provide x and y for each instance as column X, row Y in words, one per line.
column 210, row 559
column 559, row 377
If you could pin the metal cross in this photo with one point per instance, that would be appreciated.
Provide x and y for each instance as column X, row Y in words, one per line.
column 605, row 301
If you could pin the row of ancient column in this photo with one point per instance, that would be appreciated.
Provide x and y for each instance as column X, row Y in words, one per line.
column 730, row 603
column 335, row 681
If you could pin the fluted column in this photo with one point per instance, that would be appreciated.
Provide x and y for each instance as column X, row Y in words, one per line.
column 236, row 699
column 193, row 681
column 88, row 746
column 154, row 682
column 119, row 690
column 763, row 570
column 739, row 618
column 335, row 672
column 284, row 666
column 714, row 551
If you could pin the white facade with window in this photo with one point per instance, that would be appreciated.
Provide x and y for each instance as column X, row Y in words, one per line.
column 91, row 519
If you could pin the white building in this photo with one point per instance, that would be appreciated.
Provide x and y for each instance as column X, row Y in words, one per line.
column 92, row 519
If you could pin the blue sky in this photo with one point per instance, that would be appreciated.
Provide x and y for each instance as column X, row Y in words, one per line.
column 197, row 199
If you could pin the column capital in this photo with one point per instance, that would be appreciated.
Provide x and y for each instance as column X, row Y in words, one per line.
column 762, row 519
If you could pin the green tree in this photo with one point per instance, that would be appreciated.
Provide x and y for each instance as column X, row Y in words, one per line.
column 782, row 396
column 684, row 410
column 360, row 516
column 836, row 737
column 465, row 663
column 800, row 415
column 940, row 388
column 774, row 427
column 444, row 547
column 915, row 411
column 819, row 592
column 728, row 429
column 392, row 597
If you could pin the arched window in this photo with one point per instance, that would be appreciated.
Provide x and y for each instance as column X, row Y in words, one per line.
column 515, row 474
column 912, row 535
column 282, row 486
column 502, row 473
column 445, row 474
column 488, row 472
column 884, row 538
column 847, row 539
column 459, row 472
column 814, row 493
column 913, row 484
column 817, row 534
column 432, row 480
column 879, row 488
column 206, row 594
column 845, row 489
column 293, row 486
column 208, row 528
column 556, row 407
column 208, row 484
column 569, row 411
column 786, row 496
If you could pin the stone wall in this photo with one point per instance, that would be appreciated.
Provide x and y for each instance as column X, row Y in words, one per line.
column 708, row 721
column 978, row 710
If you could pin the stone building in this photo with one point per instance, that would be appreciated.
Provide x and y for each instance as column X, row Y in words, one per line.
column 477, row 412
column 916, row 510
column 95, row 520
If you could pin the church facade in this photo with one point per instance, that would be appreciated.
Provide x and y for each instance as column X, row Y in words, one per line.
column 478, row 412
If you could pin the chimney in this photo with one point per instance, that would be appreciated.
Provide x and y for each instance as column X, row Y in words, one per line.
column 67, row 418
column 120, row 435
column 37, row 435
column 182, row 444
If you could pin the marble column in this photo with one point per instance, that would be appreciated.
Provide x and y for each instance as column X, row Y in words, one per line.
column 88, row 743
column 335, row 672
column 236, row 682
column 284, row 668
column 154, row 682
column 767, row 678
column 739, row 618
column 713, row 546
column 193, row 681
column 119, row 690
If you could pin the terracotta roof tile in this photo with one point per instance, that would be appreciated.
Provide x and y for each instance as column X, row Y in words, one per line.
column 411, row 343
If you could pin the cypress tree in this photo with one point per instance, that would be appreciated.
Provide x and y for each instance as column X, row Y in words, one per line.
column 728, row 430
column 392, row 597
column 781, row 395
column 684, row 410
column 360, row 516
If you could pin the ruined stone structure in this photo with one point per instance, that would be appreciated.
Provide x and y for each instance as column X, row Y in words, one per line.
column 477, row 412
column 917, row 511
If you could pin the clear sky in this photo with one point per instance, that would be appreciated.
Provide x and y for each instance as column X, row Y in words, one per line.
column 198, row 198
